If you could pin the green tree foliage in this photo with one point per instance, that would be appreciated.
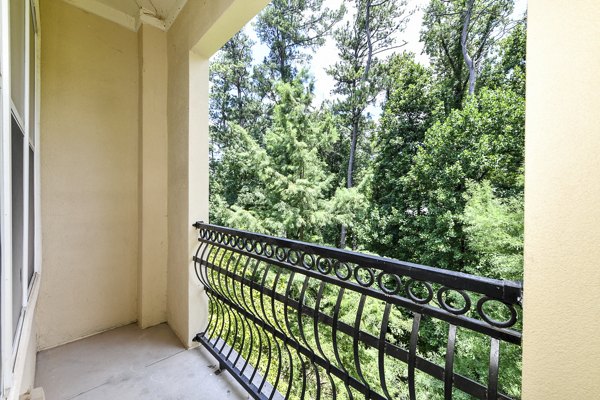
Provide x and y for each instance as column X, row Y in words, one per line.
column 436, row 178
column 233, row 102
column 287, row 181
column 409, row 111
column 358, row 77
column 237, row 177
column 289, row 28
column 443, row 25
column 233, row 99
column 494, row 231
column 509, row 66
column 482, row 141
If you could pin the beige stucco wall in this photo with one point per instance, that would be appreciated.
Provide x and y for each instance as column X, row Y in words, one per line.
column 152, row 273
column 125, row 167
column 89, row 174
column 200, row 30
column 562, row 202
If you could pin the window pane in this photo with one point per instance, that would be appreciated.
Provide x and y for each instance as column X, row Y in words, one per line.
column 31, row 219
column 17, row 53
column 31, row 82
column 17, row 219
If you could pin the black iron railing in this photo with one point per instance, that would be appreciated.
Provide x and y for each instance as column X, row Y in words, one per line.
column 297, row 320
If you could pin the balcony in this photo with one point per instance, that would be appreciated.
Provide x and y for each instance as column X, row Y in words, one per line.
column 308, row 321
column 289, row 320
column 104, row 169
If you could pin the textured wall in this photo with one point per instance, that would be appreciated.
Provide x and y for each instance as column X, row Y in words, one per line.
column 200, row 30
column 152, row 274
column 562, row 202
column 89, row 174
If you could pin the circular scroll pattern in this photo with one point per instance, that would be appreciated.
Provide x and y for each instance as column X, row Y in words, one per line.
column 280, row 253
column 358, row 275
column 339, row 268
column 419, row 291
column 308, row 261
column 269, row 250
column 410, row 286
column 324, row 265
column 384, row 279
column 239, row 243
column 500, row 324
column 456, row 311
column 293, row 257
column 227, row 239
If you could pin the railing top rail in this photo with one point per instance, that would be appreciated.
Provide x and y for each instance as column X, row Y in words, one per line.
column 502, row 290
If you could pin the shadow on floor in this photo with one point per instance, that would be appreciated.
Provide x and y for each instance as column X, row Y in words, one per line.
column 128, row 363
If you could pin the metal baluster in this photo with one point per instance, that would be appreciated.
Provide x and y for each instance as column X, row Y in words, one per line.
column 278, row 348
column 245, row 322
column 290, row 332
column 412, row 355
column 219, row 316
column 235, row 333
column 208, row 249
column 336, row 350
column 253, row 326
column 357, row 321
column 265, row 319
column 220, row 290
column 290, row 358
column 247, row 359
column 492, row 393
column 212, row 263
column 230, row 297
column 228, row 309
column 449, row 367
column 318, row 339
column 303, row 336
column 382, row 343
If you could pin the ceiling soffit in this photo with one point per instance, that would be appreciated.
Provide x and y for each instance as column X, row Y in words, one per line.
column 132, row 13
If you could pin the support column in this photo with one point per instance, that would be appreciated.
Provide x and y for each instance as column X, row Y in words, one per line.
column 152, row 273
column 200, row 29
column 561, row 349
column 188, row 190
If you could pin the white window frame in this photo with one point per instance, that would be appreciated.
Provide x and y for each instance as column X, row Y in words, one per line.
column 12, row 346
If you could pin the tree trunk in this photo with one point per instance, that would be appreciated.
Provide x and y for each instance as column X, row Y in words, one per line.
column 349, row 181
column 343, row 237
column 369, row 43
column 350, row 173
column 463, row 45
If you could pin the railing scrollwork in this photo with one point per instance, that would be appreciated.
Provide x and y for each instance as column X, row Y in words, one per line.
column 298, row 320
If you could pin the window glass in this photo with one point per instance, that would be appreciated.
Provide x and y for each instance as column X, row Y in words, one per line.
column 32, row 82
column 17, row 55
column 17, row 219
column 30, row 206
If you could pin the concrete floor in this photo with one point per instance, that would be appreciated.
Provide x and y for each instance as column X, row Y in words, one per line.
column 130, row 363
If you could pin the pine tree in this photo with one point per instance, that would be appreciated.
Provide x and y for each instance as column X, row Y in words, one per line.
column 291, row 29
column 233, row 102
column 288, row 197
column 361, row 41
